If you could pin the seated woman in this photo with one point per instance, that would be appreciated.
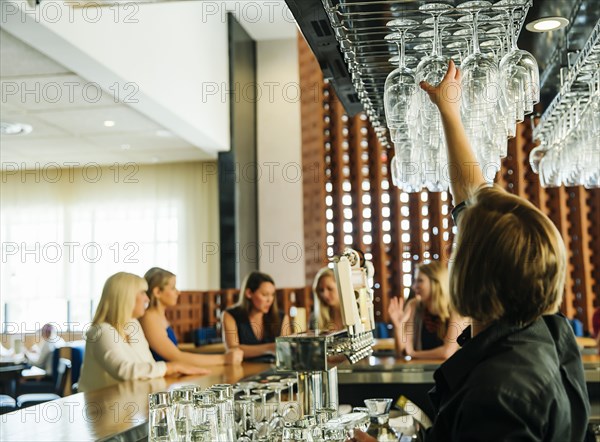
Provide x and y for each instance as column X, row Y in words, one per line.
column 163, row 293
column 255, row 321
column 327, row 314
column 426, row 327
column 116, row 348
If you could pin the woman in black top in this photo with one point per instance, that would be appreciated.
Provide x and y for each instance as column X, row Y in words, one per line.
column 254, row 322
column 519, row 375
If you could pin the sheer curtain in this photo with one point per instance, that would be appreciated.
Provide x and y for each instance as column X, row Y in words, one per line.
column 62, row 236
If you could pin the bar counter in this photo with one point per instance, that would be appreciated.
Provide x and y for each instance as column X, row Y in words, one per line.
column 120, row 412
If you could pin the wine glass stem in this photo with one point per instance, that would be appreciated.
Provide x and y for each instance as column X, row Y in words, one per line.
column 435, row 48
column 476, row 49
column 511, row 30
column 402, row 48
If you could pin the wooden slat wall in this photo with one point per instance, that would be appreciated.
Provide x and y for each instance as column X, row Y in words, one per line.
column 313, row 163
column 340, row 152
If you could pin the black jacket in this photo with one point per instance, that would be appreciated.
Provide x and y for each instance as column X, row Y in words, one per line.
column 513, row 384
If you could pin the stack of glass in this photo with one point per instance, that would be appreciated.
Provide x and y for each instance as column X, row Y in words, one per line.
column 190, row 414
column 569, row 130
column 500, row 82
column 252, row 411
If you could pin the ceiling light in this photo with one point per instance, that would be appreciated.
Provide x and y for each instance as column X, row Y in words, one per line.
column 7, row 128
column 547, row 24
column 109, row 123
column 125, row 146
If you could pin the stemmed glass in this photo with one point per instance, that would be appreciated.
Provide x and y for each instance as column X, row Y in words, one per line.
column 276, row 422
column 518, row 68
column 290, row 382
column 480, row 93
column 247, row 387
column 400, row 85
column 432, row 69
column 245, row 408
column 262, row 427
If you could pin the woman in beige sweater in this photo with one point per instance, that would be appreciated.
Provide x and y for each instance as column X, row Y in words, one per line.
column 116, row 348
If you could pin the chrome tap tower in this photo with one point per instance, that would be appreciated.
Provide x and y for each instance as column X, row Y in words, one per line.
column 313, row 354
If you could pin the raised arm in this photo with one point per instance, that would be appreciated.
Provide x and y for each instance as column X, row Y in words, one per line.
column 465, row 171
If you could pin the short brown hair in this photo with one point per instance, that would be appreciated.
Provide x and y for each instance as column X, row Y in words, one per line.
column 509, row 262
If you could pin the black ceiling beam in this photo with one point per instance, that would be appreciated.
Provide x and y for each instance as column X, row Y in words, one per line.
column 314, row 24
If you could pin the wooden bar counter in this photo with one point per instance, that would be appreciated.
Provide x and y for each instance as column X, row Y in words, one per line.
column 104, row 414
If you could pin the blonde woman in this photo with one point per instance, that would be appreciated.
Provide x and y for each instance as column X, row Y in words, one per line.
column 255, row 321
column 518, row 374
column 426, row 327
column 116, row 348
column 327, row 314
column 163, row 293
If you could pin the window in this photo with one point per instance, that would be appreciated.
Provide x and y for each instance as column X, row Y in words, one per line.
column 59, row 249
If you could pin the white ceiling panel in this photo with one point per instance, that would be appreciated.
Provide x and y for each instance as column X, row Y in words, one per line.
column 46, row 147
column 92, row 120
column 53, row 92
column 24, row 60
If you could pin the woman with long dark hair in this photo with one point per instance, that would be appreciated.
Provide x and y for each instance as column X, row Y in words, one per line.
column 255, row 321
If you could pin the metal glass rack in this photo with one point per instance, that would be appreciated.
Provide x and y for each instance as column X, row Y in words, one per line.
column 360, row 29
column 575, row 85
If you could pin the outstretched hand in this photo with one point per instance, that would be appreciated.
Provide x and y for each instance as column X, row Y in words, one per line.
column 396, row 310
column 447, row 95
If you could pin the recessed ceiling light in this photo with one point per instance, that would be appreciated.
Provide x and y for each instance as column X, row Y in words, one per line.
column 547, row 24
column 125, row 146
column 7, row 128
column 109, row 123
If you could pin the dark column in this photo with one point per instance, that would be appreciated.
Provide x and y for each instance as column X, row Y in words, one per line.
column 238, row 212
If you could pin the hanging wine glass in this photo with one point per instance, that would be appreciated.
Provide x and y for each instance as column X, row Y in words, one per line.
column 480, row 94
column 400, row 86
column 433, row 67
column 518, row 68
